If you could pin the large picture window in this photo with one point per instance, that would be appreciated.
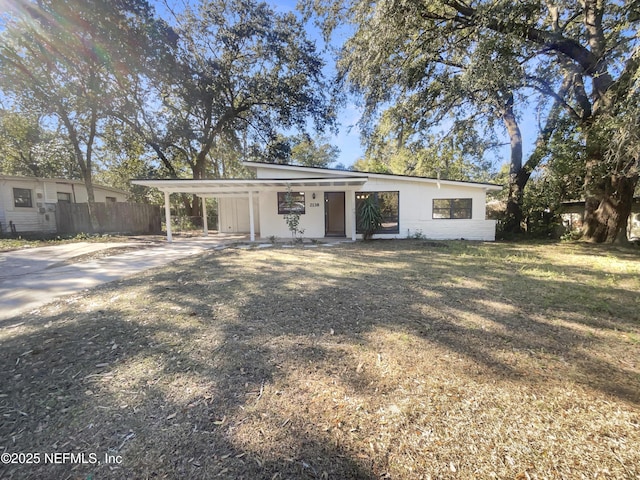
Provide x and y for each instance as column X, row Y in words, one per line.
column 295, row 205
column 22, row 197
column 389, row 204
column 455, row 208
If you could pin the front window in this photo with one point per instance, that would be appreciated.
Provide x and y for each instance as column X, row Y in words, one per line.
column 457, row 208
column 64, row 197
column 22, row 197
column 389, row 204
column 293, row 204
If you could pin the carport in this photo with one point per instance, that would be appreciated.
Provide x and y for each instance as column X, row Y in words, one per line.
column 248, row 188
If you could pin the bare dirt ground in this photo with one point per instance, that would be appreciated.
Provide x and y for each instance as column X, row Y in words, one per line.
column 9, row 244
column 393, row 359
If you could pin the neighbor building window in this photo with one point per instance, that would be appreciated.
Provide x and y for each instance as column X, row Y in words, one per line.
column 452, row 208
column 295, row 204
column 22, row 197
column 389, row 204
column 110, row 199
column 64, row 197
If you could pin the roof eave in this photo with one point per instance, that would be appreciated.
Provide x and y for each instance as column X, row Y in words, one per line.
column 409, row 178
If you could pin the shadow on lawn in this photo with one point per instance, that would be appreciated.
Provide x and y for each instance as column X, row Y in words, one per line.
column 549, row 320
column 553, row 319
column 175, row 386
column 106, row 381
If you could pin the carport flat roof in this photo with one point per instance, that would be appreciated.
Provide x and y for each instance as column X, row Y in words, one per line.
column 244, row 186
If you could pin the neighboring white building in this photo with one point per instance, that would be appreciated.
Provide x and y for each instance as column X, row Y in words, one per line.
column 327, row 201
column 28, row 203
column 572, row 214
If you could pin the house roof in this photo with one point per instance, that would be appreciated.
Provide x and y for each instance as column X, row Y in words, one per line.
column 334, row 178
column 230, row 187
column 338, row 172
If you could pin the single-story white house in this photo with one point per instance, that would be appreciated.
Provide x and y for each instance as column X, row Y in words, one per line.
column 28, row 203
column 327, row 200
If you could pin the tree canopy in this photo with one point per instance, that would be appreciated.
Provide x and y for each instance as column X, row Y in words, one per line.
column 114, row 82
column 240, row 73
column 483, row 61
column 218, row 81
column 312, row 152
column 69, row 61
column 28, row 148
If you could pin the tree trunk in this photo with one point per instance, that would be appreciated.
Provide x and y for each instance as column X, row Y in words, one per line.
column 91, row 201
column 513, row 217
column 609, row 189
column 88, row 173
column 607, row 209
column 84, row 160
column 193, row 203
column 519, row 174
column 193, row 208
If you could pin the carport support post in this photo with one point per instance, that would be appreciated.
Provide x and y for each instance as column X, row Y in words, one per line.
column 218, row 213
column 351, row 208
column 252, row 229
column 205, row 225
column 167, row 216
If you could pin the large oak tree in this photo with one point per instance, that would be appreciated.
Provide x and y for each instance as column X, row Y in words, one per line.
column 437, row 57
column 69, row 60
column 242, row 74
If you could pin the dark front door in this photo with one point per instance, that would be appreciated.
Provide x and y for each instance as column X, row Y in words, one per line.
column 334, row 214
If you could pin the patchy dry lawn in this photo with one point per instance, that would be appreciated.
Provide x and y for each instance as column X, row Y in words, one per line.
column 401, row 360
column 19, row 243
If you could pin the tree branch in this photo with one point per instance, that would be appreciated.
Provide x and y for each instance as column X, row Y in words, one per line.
column 554, row 41
column 543, row 87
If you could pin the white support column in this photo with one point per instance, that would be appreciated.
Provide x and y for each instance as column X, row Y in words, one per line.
column 205, row 224
column 351, row 209
column 252, row 228
column 218, row 210
column 167, row 216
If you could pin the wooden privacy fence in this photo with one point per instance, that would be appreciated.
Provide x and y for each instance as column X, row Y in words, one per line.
column 138, row 218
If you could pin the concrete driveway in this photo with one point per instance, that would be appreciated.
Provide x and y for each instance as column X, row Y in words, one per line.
column 33, row 277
